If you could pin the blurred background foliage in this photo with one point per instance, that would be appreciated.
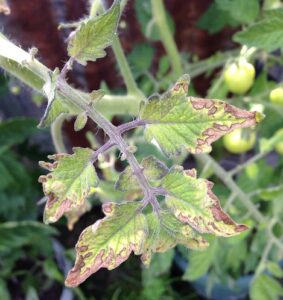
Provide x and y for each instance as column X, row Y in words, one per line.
column 209, row 34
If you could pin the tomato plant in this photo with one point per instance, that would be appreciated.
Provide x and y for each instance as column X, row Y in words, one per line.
column 151, row 204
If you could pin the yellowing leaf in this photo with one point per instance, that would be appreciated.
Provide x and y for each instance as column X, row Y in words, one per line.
column 193, row 202
column 109, row 242
column 165, row 232
column 74, row 215
column 68, row 183
column 175, row 121
column 94, row 35
column 154, row 170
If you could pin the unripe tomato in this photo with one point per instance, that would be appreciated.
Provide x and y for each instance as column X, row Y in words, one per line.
column 239, row 141
column 276, row 96
column 279, row 146
column 239, row 77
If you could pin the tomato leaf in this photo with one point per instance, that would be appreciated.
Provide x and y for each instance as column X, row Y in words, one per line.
column 193, row 202
column 266, row 34
column 154, row 170
column 165, row 232
column 94, row 35
column 109, row 242
column 175, row 121
column 68, row 183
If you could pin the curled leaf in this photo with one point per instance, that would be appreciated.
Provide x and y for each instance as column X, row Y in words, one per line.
column 68, row 183
column 109, row 242
column 175, row 121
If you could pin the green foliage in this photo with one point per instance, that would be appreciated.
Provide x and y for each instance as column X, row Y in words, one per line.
column 265, row 34
column 15, row 131
column 265, row 288
column 200, row 262
column 94, row 35
column 215, row 19
column 146, row 21
column 69, row 182
column 241, row 11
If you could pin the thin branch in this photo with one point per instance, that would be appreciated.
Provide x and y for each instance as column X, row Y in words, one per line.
column 241, row 167
column 160, row 19
column 104, row 148
column 130, row 125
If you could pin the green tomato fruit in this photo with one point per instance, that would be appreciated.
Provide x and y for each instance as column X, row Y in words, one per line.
column 279, row 146
column 239, row 141
column 239, row 77
column 276, row 96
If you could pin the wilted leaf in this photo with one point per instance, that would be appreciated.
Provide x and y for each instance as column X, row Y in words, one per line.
column 193, row 202
column 165, row 232
column 68, row 183
column 94, row 35
column 109, row 242
column 154, row 170
column 175, row 121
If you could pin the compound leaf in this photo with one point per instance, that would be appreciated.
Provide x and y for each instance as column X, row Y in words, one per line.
column 193, row 202
column 175, row 121
column 165, row 232
column 68, row 183
column 94, row 35
column 109, row 242
column 154, row 170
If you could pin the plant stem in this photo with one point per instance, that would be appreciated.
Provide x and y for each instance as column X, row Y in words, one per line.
column 130, row 125
column 114, row 137
column 230, row 183
column 159, row 16
column 127, row 75
column 240, row 167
